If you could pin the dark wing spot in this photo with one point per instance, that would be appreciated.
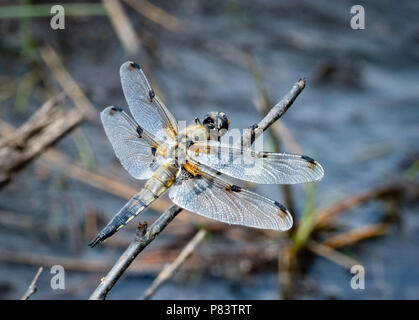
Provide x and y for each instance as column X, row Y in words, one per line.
column 307, row 158
column 311, row 161
column 153, row 151
column 139, row 131
column 233, row 188
column 114, row 109
column 151, row 94
column 281, row 207
column 218, row 173
column 134, row 65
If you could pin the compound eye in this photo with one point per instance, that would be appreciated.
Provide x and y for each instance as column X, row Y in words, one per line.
column 208, row 122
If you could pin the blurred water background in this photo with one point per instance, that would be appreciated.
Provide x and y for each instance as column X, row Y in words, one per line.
column 358, row 116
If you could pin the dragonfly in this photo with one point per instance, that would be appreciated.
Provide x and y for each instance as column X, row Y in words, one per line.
column 151, row 148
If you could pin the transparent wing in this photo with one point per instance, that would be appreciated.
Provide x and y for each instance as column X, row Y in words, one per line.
column 257, row 167
column 214, row 198
column 133, row 146
column 144, row 105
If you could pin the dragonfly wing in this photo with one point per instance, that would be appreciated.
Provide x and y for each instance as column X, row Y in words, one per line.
column 257, row 167
column 217, row 199
column 145, row 106
column 134, row 147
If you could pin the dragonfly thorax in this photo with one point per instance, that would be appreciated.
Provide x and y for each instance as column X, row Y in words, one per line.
column 197, row 132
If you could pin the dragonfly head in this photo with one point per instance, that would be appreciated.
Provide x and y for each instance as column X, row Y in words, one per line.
column 216, row 121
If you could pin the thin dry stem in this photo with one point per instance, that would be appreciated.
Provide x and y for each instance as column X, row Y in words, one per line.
column 32, row 287
column 43, row 129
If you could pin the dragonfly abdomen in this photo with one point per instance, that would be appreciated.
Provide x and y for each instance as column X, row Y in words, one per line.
column 161, row 180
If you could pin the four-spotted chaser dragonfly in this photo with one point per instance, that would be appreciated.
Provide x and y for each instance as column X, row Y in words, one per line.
column 149, row 148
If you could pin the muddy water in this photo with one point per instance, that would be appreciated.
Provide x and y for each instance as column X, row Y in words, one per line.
column 358, row 116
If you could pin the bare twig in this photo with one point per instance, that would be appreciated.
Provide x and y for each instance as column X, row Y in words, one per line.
column 263, row 104
column 44, row 128
column 171, row 269
column 32, row 287
column 142, row 239
column 274, row 114
column 40, row 119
